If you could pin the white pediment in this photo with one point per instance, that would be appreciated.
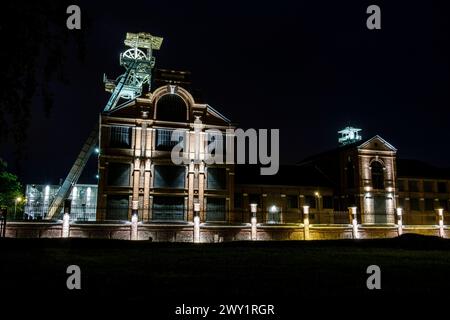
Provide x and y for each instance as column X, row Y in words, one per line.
column 377, row 143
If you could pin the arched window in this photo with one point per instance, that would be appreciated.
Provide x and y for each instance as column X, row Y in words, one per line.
column 377, row 175
column 171, row 107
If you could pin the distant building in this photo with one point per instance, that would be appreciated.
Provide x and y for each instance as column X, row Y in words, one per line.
column 39, row 198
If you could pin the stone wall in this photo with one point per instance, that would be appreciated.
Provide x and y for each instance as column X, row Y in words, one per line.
column 210, row 233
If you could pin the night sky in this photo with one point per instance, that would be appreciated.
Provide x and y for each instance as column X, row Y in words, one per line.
column 308, row 68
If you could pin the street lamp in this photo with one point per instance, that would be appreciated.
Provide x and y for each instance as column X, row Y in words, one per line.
column 18, row 199
column 273, row 210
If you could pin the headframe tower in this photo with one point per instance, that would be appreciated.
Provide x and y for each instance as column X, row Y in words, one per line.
column 138, row 61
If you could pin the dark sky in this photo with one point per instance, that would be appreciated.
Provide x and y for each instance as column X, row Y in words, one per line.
column 308, row 68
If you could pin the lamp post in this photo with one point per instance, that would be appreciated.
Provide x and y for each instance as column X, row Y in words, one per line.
column 273, row 210
column 18, row 199
column 317, row 199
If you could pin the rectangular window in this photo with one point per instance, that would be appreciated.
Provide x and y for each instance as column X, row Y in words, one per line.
column 120, row 137
column 292, row 201
column 117, row 208
column 118, row 174
column 428, row 186
column 442, row 187
column 327, row 202
column 414, row 204
column 168, row 208
column 169, row 176
column 216, row 178
column 413, row 185
column 429, row 204
column 164, row 141
column 215, row 209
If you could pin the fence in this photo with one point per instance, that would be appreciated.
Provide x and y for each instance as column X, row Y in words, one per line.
column 85, row 213
column 419, row 218
column 313, row 225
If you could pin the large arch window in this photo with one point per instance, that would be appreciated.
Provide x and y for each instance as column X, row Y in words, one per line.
column 171, row 107
column 377, row 175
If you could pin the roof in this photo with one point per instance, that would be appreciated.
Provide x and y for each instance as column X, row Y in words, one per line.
column 288, row 175
column 408, row 168
column 354, row 145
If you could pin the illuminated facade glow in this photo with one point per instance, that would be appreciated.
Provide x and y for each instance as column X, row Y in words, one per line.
column 349, row 135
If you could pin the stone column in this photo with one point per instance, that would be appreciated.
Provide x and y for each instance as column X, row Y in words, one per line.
column 440, row 221
column 136, row 176
column 253, row 208
column 201, row 190
column 196, row 222
column 190, row 204
column 134, row 220
column 354, row 221
column 306, row 222
column 147, row 214
column 399, row 221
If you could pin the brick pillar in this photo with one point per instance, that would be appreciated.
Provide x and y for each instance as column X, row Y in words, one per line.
column 136, row 176
column 400, row 221
column 306, row 222
column 66, row 219
column 440, row 221
column 254, row 234
column 201, row 191
column 354, row 221
column 190, row 204
column 147, row 176
column 196, row 222
column 134, row 220
column 253, row 209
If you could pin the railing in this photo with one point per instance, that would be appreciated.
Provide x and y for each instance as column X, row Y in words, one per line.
column 215, row 215
column 37, row 213
column 291, row 216
column 420, row 218
column 168, row 215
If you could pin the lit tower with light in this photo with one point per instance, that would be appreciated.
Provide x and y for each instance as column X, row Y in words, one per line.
column 349, row 135
column 138, row 61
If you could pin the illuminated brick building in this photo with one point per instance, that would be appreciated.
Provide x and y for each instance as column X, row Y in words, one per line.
column 135, row 163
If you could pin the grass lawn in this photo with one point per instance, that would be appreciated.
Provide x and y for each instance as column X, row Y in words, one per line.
column 164, row 275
